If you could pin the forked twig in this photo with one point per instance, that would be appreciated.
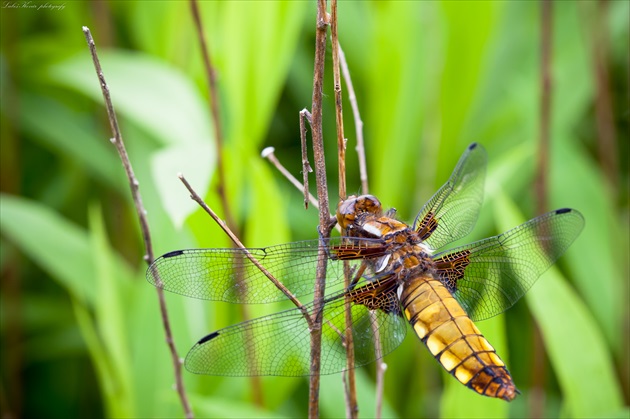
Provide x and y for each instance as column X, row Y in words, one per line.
column 117, row 140
column 306, row 166
column 268, row 153
column 352, row 407
column 324, row 212
column 195, row 197
column 381, row 366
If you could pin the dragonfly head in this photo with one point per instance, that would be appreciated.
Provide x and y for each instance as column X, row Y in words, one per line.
column 354, row 208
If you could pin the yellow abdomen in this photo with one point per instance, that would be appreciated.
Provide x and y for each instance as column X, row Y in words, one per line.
column 453, row 339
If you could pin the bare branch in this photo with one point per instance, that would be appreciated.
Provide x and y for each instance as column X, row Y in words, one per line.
column 607, row 146
column 322, row 195
column 352, row 407
column 538, row 371
column 213, row 93
column 306, row 166
column 381, row 366
column 268, row 153
column 117, row 140
column 358, row 123
column 195, row 197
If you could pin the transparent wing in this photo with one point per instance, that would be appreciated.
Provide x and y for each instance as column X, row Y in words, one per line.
column 279, row 344
column 453, row 211
column 231, row 275
column 487, row 277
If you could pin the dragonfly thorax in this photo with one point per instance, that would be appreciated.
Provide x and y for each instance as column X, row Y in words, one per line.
column 362, row 216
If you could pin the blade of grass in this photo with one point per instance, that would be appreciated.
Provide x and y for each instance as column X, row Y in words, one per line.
column 109, row 313
column 574, row 342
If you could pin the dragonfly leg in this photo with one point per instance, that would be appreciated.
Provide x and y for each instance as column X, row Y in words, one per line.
column 391, row 213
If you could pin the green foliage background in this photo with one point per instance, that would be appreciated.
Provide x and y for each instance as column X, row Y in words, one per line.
column 81, row 333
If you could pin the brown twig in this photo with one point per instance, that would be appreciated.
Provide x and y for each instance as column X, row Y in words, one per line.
column 381, row 366
column 341, row 141
column 306, row 166
column 324, row 212
column 352, row 408
column 538, row 371
column 117, row 140
column 606, row 131
column 195, row 197
column 358, row 123
column 268, row 153
column 213, row 93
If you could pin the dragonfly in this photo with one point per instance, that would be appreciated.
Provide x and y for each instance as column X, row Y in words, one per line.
column 400, row 276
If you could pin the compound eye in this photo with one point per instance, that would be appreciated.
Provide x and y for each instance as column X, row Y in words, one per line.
column 346, row 211
column 369, row 204
column 349, row 209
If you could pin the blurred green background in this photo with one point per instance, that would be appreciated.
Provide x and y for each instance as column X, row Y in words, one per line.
column 80, row 328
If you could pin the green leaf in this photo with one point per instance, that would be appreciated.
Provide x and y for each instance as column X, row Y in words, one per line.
column 575, row 344
column 148, row 91
column 586, row 190
column 252, row 68
column 109, row 314
column 196, row 162
column 50, row 240
column 332, row 398
column 267, row 223
column 104, row 369
column 73, row 135
column 221, row 408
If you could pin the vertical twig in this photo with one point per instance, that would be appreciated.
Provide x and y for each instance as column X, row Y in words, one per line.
column 538, row 372
column 221, row 184
column 324, row 212
column 213, row 92
column 545, row 105
column 341, row 141
column 606, row 132
column 352, row 407
column 358, row 123
column 117, row 140
column 381, row 366
column 306, row 166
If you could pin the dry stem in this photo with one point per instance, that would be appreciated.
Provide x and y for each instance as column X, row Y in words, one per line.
column 195, row 197
column 306, row 166
column 358, row 123
column 381, row 366
column 216, row 119
column 268, row 153
column 221, row 184
column 117, row 140
column 538, row 372
column 324, row 213
column 352, row 407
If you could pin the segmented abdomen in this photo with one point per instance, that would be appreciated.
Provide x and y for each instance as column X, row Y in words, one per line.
column 453, row 338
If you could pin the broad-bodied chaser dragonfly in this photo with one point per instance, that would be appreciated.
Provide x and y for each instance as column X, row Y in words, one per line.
column 398, row 272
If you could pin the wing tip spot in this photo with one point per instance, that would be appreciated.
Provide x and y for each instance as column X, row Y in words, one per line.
column 208, row 337
column 173, row 254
